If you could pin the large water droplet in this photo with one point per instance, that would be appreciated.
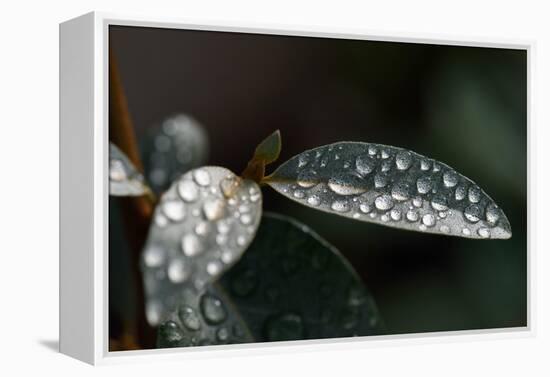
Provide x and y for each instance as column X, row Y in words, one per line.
column 395, row 214
column 191, row 245
column 473, row 213
column 189, row 318
column 460, row 193
column 365, row 208
column 307, row 179
column 403, row 160
column 340, row 206
column 439, row 203
column 314, row 200
column 383, row 202
column 412, row 215
column 492, row 214
column 213, row 209
column 188, row 191
column 474, row 194
column 202, row 177
column 287, row 326
column 380, row 181
column 212, row 309
column 365, row 164
column 174, row 210
column 178, row 271
column 424, row 184
column 450, row 178
column 400, row 191
column 347, row 184
column 425, row 165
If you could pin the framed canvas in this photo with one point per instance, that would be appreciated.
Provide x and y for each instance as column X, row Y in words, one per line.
column 234, row 189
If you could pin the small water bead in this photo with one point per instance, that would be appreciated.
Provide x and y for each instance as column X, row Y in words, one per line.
column 400, row 191
column 384, row 154
column 473, row 213
column 221, row 239
column 153, row 312
column 246, row 219
column 314, row 200
column 241, row 240
column 222, row 334
column 174, row 210
column 153, row 256
column 356, row 215
column 202, row 228
column 189, row 318
column 212, row 309
column 254, row 198
column 412, row 216
column 383, row 202
column 227, row 256
column 436, row 168
column 474, row 194
column 424, row 185
column 439, row 203
column 191, row 245
column 422, row 227
column 385, row 218
column 365, row 164
column 307, row 179
column 117, row 171
column 450, row 179
column 299, row 194
column 492, row 214
column 372, row 215
column 213, row 209
column 403, row 160
column 347, row 184
column 303, row 160
column 442, row 214
column 425, row 165
column 428, row 219
column 202, row 177
column 161, row 220
column 178, row 271
column 466, row 231
column 214, row 267
column 324, row 162
column 336, row 157
column 483, row 232
column 395, row 214
column 340, row 206
column 229, row 185
column 188, row 190
column 365, row 208
column 196, row 212
column 385, row 166
column 380, row 181
column 223, row 226
column 460, row 193
column 444, row 229
column 417, row 202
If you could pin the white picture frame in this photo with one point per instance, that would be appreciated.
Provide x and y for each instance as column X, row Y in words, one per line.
column 84, row 192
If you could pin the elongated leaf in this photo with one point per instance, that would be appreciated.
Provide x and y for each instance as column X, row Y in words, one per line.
column 124, row 179
column 289, row 285
column 390, row 186
column 200, row 228
column 177, row 146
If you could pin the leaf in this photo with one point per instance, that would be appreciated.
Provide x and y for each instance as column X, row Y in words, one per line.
column 124, row 179
column 289, row 285
column 201, row 227
column 390, row 186
column 179, row 145
column 269, row 149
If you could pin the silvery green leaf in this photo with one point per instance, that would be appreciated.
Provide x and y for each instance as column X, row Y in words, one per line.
column 289, row 285
column 390, row 186
column 201, row 226
column 124, row 179
column 177, row 146
column 269, row 149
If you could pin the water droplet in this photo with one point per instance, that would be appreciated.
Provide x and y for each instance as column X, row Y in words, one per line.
column 229, row 185
column 303, row 160
column 202, row 228
column 221, row 239
column 384, row 154
column 365, row 164
column 202, row 177
column 287, row 326
column 246, row 219
column 424, row 185
column 356, row 215
column 222, row 334
column 450, row 178
column 372, row 150
column 178, row 271
column 160, row 220
column 189, row 318
column 340, row 206
column 385, row 218
column 174, row 210
column 473, row 213
column 439, row 203
column 212, row 309
column 299, row 194
column 483, row 232
column 403, row 160
column 412, row 216
column 153, row 311
column 417, row 202
column 492, row 214
column 436, row 168
column 444, row 229
column 365, row 208
column 188, row 191
column 170, row 332
column 314, row 200
column 425, row 165
column 214, row 267
column 307, row 179
column 191, row 245
column 385, row 166
column 117, row 171
column 380, row 181
column 474, row 194
column 347, row 184
column 153, row 256
column 213, row 209
column 383, row 202
column 395, row 214
column 400, row 191
column 241, row 240
column 466, row 231
column 227, row 256
column 428, row 219
column 460, row 193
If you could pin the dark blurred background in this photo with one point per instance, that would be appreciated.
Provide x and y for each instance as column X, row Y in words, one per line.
column 464, row 106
